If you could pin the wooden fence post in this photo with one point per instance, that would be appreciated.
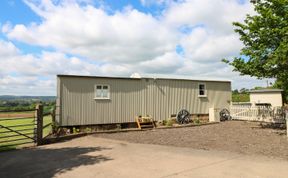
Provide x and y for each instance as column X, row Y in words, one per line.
column 286, row 118
column 53, row 114
column 39, row 115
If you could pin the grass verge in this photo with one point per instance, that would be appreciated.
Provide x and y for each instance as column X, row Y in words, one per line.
column 22, row 125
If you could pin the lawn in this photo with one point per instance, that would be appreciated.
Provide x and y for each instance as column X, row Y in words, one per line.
column 28, row 129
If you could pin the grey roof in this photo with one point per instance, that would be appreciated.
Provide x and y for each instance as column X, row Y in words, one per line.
column 184, row 77
column 168, row 77
column 266, row 91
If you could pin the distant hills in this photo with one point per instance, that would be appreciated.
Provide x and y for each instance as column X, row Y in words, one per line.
column 29, row 98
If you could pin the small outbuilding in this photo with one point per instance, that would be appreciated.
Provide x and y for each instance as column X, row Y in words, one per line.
column 92, row 100
column 267, row 97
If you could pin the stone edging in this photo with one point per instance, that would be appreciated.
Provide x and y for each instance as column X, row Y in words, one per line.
column 69, row 137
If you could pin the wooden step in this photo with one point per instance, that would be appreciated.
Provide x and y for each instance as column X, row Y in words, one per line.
column 145, row 122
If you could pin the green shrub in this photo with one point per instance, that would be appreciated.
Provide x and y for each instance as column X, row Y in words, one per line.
column 197, row 121
column 76, row 130
column 164, row 122
column 88, row 129
column 169, row 123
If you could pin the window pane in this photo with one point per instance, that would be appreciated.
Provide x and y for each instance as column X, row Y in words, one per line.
column 98, row 91
column 201, row 92
column 105, row 91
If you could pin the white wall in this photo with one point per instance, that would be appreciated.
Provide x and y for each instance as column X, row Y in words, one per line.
column 274, row 98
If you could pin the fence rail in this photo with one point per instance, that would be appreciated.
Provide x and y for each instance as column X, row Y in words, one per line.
column 258, row 113
column 18, row 110
column 21, row 127
column 17, row 128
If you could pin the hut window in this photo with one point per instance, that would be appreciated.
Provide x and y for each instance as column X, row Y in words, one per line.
column 102, row 92
column 202, row 90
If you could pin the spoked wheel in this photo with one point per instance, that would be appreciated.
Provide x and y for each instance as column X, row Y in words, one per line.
column 225, row 115
column 183, row 117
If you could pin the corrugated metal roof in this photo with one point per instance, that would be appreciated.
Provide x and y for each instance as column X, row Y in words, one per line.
column 266, row 91
column 183, row 77
column 153, row 76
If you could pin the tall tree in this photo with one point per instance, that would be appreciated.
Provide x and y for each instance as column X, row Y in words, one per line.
column 265, row 39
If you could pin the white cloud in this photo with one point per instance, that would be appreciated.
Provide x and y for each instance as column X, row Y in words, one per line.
column 215, row 15
column 204, row 46
column 23, row 85
column 155, row 2
column 123, row 42
column 26, row 73
column 45, row 64
column 130, row 36
column 7, row 49
column 162, row 64
column 126, row 36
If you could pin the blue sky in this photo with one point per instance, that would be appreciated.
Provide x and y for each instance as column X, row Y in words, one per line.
column 40, row 39
column 16, row 11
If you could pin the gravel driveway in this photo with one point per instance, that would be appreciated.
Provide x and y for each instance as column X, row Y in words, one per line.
column 234, row 136
column 91, row 157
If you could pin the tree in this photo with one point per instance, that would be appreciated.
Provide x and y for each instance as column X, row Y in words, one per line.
column 235, row 91
column 243, row 90
column 242, row 96
column 265, row 39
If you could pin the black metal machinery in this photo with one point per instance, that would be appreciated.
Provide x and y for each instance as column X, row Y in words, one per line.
column 183, row 117
column 225, row 115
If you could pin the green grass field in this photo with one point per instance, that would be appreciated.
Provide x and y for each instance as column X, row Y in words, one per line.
column 29, row 130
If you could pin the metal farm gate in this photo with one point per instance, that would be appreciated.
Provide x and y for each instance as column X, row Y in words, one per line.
column 21, row 128
column 258, row 113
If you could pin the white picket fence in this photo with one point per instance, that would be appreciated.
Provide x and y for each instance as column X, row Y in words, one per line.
column 258, row 113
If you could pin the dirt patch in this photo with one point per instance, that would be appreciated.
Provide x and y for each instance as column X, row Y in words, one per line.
column 235, row 136
column 17, row 115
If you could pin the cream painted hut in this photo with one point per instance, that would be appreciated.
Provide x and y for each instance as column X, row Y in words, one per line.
column 92, row 100
column 271, row 97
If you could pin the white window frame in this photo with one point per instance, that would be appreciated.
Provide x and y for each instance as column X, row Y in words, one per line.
column 101, row 97
column 205, row 90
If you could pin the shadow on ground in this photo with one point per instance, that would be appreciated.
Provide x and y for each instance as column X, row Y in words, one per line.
column 46, row 162
column 278, row 126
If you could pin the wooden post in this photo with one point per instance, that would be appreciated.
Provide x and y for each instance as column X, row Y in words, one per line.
column 286, row 115
column 39, row 119
column 53, row 115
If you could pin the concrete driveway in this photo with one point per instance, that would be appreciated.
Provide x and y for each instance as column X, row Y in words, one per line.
column 97, row 157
